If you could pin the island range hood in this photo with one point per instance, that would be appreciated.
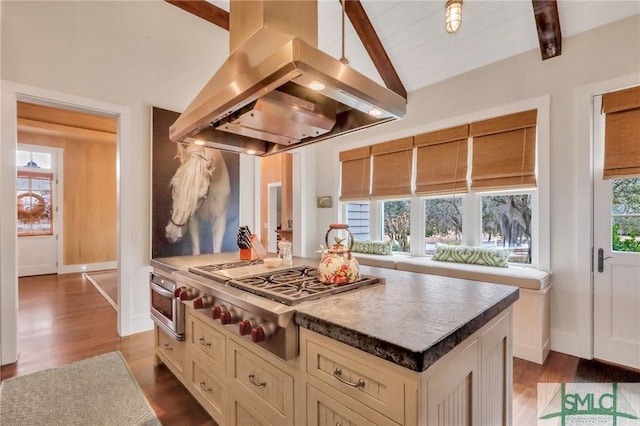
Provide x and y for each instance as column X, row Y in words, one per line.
column 277, row 91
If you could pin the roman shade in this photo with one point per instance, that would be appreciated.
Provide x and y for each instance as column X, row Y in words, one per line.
column 392, row 164
column 504, row 152
column 441, row 161
column 356, row 174
column 622, row 133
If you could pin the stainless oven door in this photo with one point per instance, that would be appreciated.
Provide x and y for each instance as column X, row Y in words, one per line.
column 166, row 310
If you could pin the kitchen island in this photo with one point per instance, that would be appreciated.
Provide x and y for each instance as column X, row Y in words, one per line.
column 413, row 349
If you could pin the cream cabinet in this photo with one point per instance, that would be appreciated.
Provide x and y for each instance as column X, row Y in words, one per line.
column 169, row 351
column 264, row 385
column 332, row 383
column 206, row 386
column 370, row 382
column 471, row 385
column 205, row 369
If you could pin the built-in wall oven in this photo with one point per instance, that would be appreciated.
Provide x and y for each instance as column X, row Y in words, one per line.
column 166, row 309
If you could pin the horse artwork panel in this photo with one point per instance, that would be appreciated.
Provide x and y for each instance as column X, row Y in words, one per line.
column 195, row 193
column 200, row 193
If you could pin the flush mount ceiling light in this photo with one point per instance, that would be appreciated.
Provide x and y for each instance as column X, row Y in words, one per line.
column 316, row 85
column 453, row 15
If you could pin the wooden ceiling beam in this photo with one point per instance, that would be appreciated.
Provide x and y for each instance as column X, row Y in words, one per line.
column 204, row 10
column 548, row 26
column 372, row 44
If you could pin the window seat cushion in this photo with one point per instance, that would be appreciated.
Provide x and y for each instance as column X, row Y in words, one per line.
column 379, row 261
column 521, row 277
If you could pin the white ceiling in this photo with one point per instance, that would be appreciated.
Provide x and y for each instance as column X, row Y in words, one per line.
column 422, row 52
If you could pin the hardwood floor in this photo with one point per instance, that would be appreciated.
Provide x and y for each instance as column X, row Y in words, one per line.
column 63, row 318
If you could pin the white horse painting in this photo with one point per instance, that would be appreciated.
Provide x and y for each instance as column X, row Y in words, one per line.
column 200, row 190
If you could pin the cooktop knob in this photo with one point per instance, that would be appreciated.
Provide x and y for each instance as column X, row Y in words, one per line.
column 228, row 317
column 262, row 332
column 215, row 312
column 188, row 294
column 244, row 328
column 202, row 302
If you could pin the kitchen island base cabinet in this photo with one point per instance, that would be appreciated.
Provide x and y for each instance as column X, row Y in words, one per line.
column 268, row 388
column 470, row 385
column 323, row 409
column 169, row 351
column 205, row 366
column 239, row 383
column 206, row 387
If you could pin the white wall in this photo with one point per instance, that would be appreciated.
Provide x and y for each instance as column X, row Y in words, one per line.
column 602, row 59
column 130, row 55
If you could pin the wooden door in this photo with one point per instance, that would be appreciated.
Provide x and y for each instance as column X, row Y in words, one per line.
column 37, row 205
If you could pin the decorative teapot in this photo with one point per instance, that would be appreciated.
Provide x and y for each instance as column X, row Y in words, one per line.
column 337, row 265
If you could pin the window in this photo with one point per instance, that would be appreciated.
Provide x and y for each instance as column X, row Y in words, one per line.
column 40, row 160
column 358, row 220
column 443, row 222
column 479, row 183
column 625, row 214
column 34, row 203
column 506, row 222
column 397, row 224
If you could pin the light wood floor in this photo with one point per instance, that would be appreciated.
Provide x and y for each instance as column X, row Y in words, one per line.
column 63, row 318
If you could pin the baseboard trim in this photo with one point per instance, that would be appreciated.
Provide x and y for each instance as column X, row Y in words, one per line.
column 89, row 267
column 532, row 353
column 140, row 323
column 31, row 270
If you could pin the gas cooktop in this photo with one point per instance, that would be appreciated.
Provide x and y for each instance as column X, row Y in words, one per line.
column 227, row 265
column 289, row 286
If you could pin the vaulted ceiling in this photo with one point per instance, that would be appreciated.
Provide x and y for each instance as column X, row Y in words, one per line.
column 420, row 50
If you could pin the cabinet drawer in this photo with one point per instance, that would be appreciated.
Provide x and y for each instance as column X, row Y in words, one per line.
column 208, row 389
column 207, row 341
column 377, row 388
column 245, row 415
column 324, row 410
column 171, row 349
column 251, row 374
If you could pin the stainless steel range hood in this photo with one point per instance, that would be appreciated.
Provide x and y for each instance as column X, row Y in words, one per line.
column 277, row 91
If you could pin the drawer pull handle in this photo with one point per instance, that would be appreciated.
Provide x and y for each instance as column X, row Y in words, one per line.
column 167, row 347
column 252, row 380
column 338, row 424
column 203, row 342
column 204, row 387
column 337, row 373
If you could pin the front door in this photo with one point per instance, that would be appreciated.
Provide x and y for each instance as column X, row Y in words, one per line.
column 616, row 261
column 36, row 200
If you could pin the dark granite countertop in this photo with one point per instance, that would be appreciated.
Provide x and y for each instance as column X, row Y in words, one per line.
column 411, row 320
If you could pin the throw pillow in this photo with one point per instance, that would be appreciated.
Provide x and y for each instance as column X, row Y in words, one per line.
column 380, row 247
column 360, row 246
column 489, row 256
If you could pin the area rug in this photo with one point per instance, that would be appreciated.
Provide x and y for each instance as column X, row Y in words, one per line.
column 96, row 391
column 106, row 282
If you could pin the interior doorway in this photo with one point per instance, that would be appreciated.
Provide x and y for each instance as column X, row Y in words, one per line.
column 54, row 141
